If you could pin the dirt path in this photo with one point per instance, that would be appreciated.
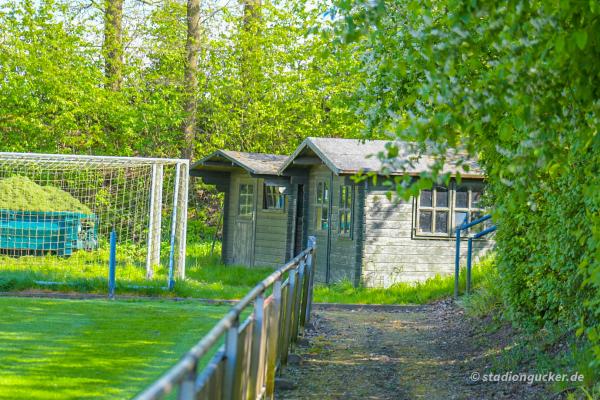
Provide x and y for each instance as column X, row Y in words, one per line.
column 425, row 352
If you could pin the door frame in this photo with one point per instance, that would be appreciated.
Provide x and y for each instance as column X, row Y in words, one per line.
column 298, row 243
column 252, row 245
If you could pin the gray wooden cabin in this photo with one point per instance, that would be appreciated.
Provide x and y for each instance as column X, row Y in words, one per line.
column 273, row 203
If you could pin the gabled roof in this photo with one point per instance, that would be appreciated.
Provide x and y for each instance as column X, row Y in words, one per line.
column 254, row 163
column 349, row 156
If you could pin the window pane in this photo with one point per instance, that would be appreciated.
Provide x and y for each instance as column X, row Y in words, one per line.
column 324, row 217
column 246, row 199
column 459, row 218
column 348, row 220
column 319, row 192
column 267, row 197
column 425, row 221
column 441, row 222
column 426, row 198
column 345, row 196
column 325, row 191
column 342, row 222
column 476, row 198
column 462, row 197
column 441, row 196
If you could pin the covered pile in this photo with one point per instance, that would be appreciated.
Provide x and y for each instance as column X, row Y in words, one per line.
column 22, row 194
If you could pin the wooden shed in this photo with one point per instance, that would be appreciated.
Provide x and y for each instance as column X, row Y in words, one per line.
column 256, row 205
column 273, row 203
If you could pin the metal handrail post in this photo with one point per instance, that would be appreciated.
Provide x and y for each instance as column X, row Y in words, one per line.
column 464, row 227
column 310, row 263
column 469, row 259
column 231, row 381
column 257, row 345
column 457, row 263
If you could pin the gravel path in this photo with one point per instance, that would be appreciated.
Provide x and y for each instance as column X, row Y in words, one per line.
column 424, row 352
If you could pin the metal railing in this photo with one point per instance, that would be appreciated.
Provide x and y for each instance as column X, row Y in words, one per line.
column 244, row 367
column 478, row 235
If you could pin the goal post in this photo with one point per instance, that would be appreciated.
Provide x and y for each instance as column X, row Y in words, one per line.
column 57, row 213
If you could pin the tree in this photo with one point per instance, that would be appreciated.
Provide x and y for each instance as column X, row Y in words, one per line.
column 517, row 84
column 113, row 43
column 191, row 77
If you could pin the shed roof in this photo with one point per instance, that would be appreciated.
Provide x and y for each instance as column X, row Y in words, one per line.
column 349, row 156
column 254, row 163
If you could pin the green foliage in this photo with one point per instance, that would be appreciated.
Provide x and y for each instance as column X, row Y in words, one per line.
column 125, row 345
column 274, row 84
column 486, row 299
column 260, row 89
column 432, row 289
column 515, row 83
column 23, row 194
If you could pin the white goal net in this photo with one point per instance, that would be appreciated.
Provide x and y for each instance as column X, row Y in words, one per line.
column 57, row 213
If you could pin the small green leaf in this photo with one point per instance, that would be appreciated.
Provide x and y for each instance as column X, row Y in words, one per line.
column 559, row 45
column 581, row 39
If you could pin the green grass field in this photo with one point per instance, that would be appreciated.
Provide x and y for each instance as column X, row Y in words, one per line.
column 432, row 289
column 72, row 349
column 206, row 278
column 87, row 272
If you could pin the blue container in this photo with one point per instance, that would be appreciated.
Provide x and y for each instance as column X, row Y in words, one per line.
column 40, row 232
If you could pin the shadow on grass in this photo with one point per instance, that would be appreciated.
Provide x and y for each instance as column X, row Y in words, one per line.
column 63, row 349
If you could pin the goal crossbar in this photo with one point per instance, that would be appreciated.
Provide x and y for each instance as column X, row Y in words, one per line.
column 85, row 159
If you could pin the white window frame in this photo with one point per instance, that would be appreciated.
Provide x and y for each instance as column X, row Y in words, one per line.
column 248, row 195
column 452, row 209
column 345, row 208
column 324, row 204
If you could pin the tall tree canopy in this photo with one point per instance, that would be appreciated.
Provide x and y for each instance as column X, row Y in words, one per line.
column 166, row 78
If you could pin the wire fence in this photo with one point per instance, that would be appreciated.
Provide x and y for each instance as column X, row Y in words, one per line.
column 239, row 358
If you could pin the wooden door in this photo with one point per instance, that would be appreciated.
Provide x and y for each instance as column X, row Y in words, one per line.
column 243, row 238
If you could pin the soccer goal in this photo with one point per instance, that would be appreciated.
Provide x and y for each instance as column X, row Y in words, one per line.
column 57, row 213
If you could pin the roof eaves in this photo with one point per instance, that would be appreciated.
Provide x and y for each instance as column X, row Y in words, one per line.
column 238, row 162
column 291, row 158
column 323, row 157
column 308, row 142
column 224, row 154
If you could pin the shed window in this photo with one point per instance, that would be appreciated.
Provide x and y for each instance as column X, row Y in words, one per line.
column 274, row 198
column 345, row 210
column 322, row 206
column 441, row 210
column 467, row 205
column 246, row 199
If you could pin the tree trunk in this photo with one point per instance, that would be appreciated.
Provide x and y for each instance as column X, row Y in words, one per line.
column 113, row 43
column 191, row 77
column 249, row 66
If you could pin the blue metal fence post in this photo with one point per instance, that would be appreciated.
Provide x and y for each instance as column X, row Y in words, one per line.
column 173, row 230
column 457, row 262
column 112, row 265
column 469, row 258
